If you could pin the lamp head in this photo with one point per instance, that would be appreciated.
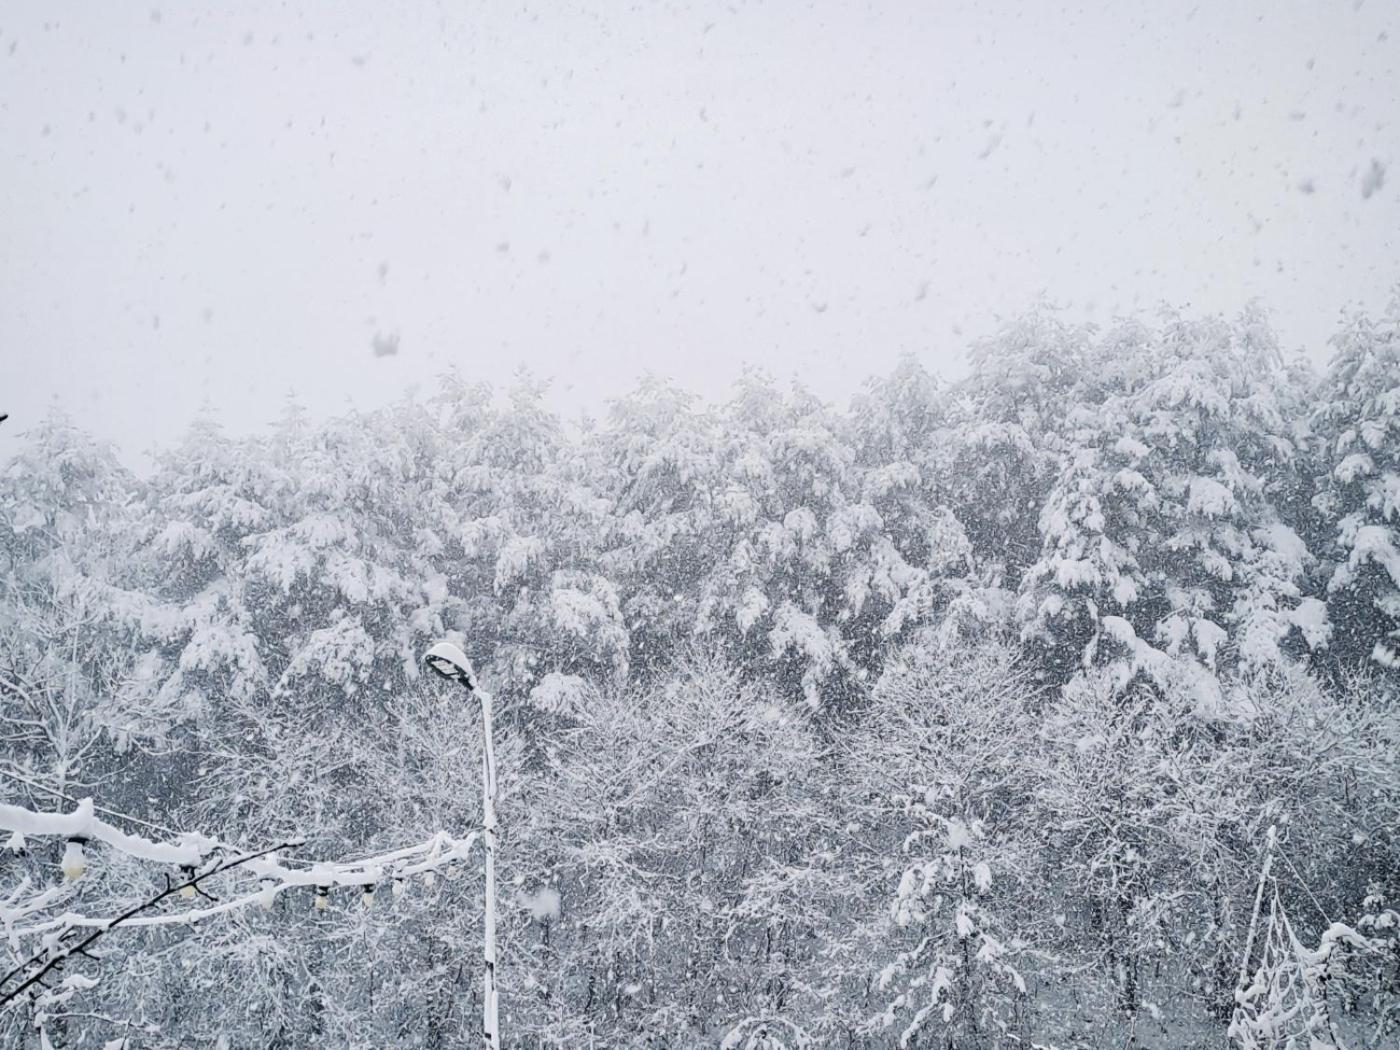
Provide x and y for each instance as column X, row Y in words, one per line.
column 450, row 662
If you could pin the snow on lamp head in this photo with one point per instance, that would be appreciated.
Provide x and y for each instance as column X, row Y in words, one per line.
column 449, row 661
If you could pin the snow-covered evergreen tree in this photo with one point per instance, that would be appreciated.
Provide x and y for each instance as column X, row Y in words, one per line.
column 1164, row 551
column 1358, row 423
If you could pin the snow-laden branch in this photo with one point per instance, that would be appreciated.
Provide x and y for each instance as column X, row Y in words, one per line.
column 85, row 826
column 434, row 854
column 192, row 850
column 32, row 971
column 200, row 859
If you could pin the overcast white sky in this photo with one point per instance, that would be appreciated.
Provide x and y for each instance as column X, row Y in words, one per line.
column 199, row 203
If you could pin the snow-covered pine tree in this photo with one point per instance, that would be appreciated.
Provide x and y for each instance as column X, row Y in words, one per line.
column 522, row 563
column 64, row 531
column 1358, row 423
column 1007, row 439
column 923, row 566
column 1163, row 550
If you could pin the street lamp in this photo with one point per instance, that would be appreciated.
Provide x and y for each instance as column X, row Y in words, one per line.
column 449, row 661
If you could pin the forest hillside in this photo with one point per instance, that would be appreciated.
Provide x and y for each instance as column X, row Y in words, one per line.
column 965, row 715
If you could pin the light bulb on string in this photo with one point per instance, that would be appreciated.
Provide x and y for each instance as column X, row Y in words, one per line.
column 74, row 862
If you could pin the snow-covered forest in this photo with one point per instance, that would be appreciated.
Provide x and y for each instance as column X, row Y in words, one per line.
column 1056, row 706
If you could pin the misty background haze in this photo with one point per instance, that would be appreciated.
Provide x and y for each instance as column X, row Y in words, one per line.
column 343, row 200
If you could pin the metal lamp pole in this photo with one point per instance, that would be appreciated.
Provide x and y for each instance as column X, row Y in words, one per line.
column 449, row 661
